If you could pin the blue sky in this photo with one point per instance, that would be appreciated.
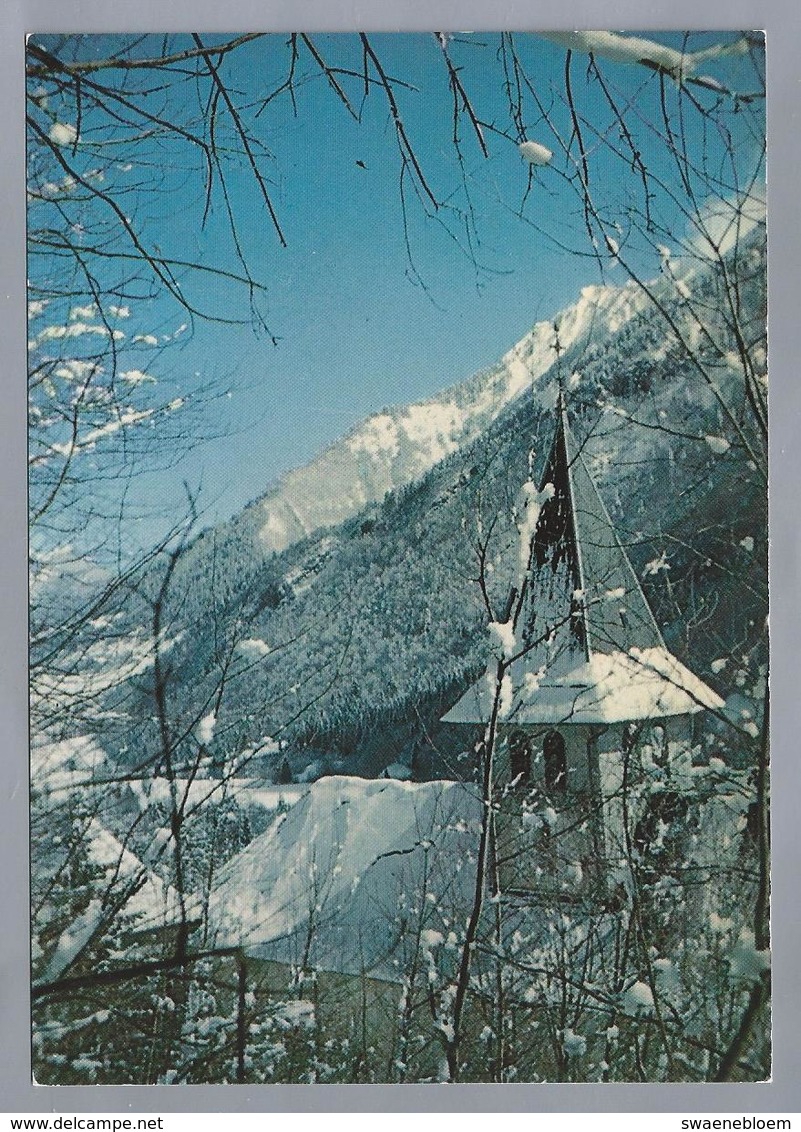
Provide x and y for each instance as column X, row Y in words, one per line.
column 356, row 328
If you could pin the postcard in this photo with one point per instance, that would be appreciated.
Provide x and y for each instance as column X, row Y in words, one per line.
column 398, row 557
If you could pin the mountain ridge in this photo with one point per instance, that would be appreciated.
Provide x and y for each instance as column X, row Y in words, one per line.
column 397, row 445
column 351, row 642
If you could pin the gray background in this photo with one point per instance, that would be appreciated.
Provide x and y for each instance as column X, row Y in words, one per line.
column 782, row 21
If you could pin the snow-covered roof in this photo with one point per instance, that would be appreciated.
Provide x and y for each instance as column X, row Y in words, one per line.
column 607, row 688
column 149, row 902
column 128, row 889
column 66, row 763
column 594, row 652
column 341, row 879
column 398, row 770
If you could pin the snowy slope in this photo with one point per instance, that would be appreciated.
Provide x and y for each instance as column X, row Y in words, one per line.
column 609, row 326
column 398, row 445
column 353, row 642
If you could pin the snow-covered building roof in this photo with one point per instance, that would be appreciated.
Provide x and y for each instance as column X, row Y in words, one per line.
column 593, row 651
column 128, row 888
column 352, row 874
column 65, row 764
column 608, row 688
column 147, row 901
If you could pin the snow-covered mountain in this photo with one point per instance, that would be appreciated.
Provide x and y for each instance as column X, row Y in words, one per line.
column 399, row 445
column 343, row 607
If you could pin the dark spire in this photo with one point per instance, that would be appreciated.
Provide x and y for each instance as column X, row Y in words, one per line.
column 580, row 576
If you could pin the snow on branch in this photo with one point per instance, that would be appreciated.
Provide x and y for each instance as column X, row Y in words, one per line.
column 619, row 48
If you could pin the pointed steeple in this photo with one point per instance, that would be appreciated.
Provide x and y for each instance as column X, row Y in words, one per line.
column 591, row 649
column 579, row 572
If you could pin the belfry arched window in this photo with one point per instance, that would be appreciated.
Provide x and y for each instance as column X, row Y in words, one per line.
column 553, row 753
column 519, row 758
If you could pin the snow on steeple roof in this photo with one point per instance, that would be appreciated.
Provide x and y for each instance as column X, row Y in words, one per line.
column 594, row 651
